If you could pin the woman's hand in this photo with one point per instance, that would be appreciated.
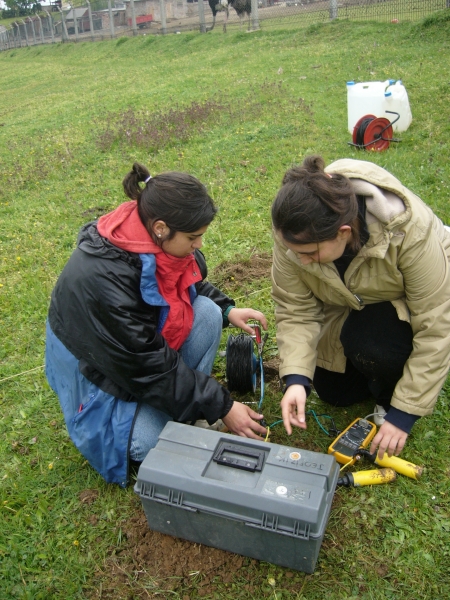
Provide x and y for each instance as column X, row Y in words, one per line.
column 293, row 407
column 240, row 420
column 239, row 317
column 390, row 438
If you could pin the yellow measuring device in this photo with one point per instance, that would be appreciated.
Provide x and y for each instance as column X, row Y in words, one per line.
column 358, row 434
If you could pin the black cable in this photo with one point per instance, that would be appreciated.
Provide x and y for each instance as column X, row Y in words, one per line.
column 240, row 364
column 362, row 130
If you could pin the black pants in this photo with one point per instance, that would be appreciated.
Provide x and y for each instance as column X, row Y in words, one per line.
column 377, row 345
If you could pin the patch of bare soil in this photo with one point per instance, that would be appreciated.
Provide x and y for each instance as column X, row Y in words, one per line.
column 242, row 274
column 271, row 369
column 154, row 565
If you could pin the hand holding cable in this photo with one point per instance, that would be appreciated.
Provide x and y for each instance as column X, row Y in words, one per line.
column 239, row 317
column 242, row 420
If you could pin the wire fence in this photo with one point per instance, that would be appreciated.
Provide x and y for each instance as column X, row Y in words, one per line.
column 103, row 19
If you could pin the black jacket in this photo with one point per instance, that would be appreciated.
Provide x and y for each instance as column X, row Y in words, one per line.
column 98, row 313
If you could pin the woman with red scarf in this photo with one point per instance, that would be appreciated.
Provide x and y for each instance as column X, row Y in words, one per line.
column 134, row 327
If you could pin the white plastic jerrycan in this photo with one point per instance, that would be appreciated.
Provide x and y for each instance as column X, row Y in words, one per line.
column 396, row 100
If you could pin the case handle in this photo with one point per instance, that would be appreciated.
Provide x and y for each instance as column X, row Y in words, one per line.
column 239, row 463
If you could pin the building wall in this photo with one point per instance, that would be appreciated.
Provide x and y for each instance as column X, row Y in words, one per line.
column 175, row 9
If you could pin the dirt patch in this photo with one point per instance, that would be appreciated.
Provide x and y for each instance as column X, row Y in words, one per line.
column 241, row 273
column 149, row 559
column 154, row 565
column 88, row 496
column 271, row 369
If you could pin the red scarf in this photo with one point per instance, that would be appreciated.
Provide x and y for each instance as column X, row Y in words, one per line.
column 123, row 228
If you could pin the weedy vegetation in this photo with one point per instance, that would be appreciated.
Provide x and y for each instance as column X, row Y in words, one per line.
column 236, row 110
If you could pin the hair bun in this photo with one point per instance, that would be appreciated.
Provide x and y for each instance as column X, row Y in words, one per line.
column 314, row 163
column 311, row 165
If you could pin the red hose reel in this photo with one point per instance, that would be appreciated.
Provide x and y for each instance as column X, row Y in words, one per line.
column 374, row 133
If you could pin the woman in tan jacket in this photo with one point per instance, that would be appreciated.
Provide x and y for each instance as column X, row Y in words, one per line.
column 361, row 283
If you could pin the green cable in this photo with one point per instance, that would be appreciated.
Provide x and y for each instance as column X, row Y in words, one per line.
column 311, row 412
column 316, row 418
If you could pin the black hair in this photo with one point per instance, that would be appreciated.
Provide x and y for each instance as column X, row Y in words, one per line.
column 178, row 199
column 312, row 205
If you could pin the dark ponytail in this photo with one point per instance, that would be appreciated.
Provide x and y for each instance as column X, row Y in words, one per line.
column 131, row 181
column 178, row 199
column 312, row 205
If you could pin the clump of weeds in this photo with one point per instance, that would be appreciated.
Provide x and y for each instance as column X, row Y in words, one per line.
column 156, row 130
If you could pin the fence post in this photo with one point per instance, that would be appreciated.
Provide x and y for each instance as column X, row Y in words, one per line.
column 162, row 8
column 64, row 34
column 91, row 22
column 41, row 32
column 333, row 10
column 254, row 15
column 15, row 38
column 32, row 29
column 201, row 16
column 18, row 35
column 75, row 24
column 133, row 18
column 50, row 24
column 111, row 22
column 26, row 32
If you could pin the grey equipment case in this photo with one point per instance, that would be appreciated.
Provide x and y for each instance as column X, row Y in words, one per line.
column 250, row 497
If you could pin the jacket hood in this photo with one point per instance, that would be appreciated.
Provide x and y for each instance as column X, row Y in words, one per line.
column 381, row 205
column 385, row 200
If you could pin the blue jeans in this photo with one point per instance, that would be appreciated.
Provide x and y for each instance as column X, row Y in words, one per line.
column 198, row 352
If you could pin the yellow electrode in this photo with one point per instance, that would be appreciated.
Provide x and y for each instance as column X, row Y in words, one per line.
column 401, row 466
column 372, row 477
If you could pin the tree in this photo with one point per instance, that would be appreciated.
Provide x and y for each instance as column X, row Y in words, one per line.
column 20, row 8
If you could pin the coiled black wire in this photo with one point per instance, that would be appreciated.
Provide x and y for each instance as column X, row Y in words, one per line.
column 240, row 364
column 362, row 130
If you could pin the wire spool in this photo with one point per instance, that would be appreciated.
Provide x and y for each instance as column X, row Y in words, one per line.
column 373, row 133
column 241, row 364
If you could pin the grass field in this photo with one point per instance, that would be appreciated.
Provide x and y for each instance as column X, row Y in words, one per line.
column 236, row 111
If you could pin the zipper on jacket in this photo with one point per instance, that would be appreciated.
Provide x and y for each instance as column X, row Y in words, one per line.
column 359, row 299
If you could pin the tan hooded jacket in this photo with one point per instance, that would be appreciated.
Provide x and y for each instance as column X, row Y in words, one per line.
column 405, row 261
